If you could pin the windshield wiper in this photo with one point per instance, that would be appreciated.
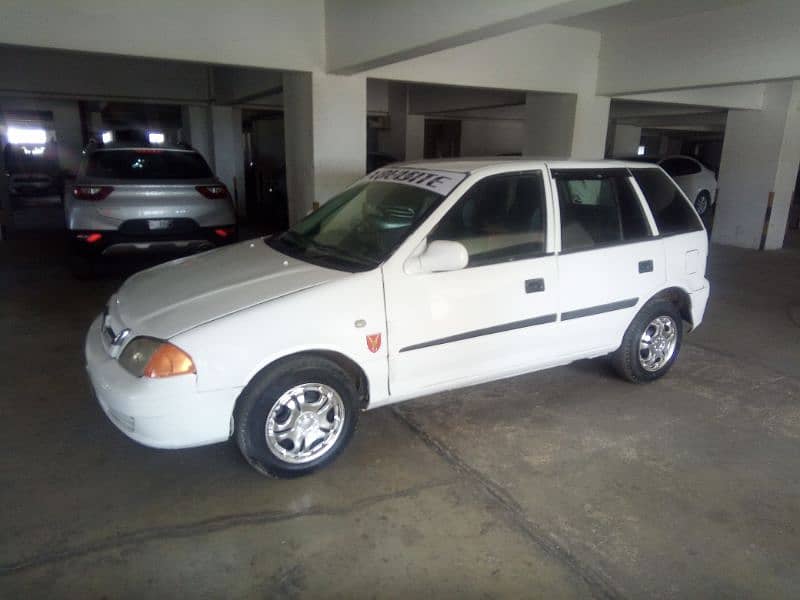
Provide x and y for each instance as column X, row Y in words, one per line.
column 339, row 253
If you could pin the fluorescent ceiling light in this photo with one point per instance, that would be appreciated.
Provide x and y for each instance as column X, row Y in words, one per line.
column 155, row 137
column 20, row 135
column 640, row 151
column 107, row 137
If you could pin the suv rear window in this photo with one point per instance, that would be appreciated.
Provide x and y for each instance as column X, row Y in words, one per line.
column 670, row 209
column 147, row 163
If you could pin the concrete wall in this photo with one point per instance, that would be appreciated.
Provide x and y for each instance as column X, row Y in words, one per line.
column 269, row 33
column 549, row 124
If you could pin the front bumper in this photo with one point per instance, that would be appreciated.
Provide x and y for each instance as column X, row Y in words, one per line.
column 161, row 413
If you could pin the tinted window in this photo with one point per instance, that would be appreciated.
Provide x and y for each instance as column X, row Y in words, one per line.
column 598, row 208
column 678, row 167
column 147, row 163
column 500, row 218
column 670, row 209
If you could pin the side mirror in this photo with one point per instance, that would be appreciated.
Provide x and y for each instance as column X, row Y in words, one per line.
column 440, row 255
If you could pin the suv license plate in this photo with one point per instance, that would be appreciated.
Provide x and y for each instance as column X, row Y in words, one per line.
column 158, row 224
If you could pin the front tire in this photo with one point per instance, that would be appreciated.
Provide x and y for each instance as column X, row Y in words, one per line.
column 296, row 416
column 651, row 343
column 702, row 203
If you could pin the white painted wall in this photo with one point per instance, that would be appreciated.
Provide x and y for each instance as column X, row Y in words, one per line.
column 196, row 130
column 491, row 137
column 226, row 127
column 761, row 154
column 751, row 41
column 299, row 136
column 415, row 137
column 377, row 96
column 240, row 84
column 260, row 33
column 724, row 96
column 363, row 35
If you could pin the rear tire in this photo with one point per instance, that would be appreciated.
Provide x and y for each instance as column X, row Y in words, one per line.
column 651, row 343
column 296, row 416
column 702, row 203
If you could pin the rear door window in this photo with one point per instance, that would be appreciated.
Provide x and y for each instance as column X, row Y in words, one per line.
column 147, row 163
column 671, row 210
column 598, row 208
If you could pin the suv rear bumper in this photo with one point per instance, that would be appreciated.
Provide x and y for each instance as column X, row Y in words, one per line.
column 115, row 242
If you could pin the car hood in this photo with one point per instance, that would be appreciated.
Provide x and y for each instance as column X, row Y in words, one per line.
column 181, row 294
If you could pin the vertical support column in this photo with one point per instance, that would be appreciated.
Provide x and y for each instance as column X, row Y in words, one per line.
column 398, row 119
column 758, row 170
column 67, row 123
column 549, row 124
column 226, row 128
column 326, row 136
column 415, row 137
column 591, row 126
column 626, row 140
column 196, row 130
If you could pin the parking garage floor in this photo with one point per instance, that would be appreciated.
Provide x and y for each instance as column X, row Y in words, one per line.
column 564, row 483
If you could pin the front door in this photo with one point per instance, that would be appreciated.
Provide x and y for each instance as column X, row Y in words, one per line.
column 496, row 316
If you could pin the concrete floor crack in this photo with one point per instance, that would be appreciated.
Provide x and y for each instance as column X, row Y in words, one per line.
column 597, row 582
column 212, row 525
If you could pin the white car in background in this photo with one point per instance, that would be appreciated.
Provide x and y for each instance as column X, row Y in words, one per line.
column 418, row 278
column 697, row 181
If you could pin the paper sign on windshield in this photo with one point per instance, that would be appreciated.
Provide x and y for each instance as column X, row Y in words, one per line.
column 441, row 182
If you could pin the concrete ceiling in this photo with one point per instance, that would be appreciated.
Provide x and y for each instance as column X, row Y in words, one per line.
column 640, row 12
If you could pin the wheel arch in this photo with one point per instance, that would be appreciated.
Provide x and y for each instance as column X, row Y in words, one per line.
column 678, row 297
column 347, row 364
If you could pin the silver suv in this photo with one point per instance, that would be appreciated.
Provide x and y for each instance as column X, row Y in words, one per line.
column 139, row 197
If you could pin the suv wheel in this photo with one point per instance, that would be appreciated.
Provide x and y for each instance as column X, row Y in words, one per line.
column 651, row 343
column 296, row 416
column 702, row 203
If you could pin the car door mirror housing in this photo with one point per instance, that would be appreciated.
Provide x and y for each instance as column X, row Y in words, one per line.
column 439, row 255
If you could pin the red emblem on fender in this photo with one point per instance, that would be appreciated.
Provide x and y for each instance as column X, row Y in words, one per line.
column 374, row 342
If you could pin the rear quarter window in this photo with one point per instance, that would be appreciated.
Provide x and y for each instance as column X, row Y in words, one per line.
column 147, row 163
column 671, row 211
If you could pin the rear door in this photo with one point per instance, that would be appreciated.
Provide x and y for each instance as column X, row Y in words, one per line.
column 610, row 261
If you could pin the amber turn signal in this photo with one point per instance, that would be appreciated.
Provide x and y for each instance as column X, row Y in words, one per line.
column 168, row 360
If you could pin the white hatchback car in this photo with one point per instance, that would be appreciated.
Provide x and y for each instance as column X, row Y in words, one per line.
column 418, row 278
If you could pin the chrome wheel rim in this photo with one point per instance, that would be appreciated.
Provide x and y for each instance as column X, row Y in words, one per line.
column 304, row 423
column 701, row 204
column 657, row 344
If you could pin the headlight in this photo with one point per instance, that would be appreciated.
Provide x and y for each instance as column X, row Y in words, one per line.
column 151, row 357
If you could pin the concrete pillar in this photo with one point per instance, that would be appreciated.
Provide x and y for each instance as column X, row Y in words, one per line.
column 196, row 130
column 626, row 140
column 549, row 124
column 591, row 126
column 398, row 117
column 226, row 131
column 415, row 137
column 67, row 123
column 565, row 125
column 758, row 170
column 326, row 136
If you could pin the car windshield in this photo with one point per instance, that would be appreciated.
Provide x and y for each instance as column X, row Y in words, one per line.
column 147, row 163
column 361, row 227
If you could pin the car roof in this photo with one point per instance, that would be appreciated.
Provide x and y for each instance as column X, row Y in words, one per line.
column 472, row 165
column 139, row 146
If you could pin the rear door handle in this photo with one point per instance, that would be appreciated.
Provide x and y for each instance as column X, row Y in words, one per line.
column 646, row 266
column 534, row 285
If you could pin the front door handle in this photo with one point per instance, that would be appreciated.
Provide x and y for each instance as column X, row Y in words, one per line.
column 646, row 266
column 534, row 285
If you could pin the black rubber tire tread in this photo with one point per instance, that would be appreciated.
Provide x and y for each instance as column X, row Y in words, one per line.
column 263, row 391
column 626, row 359
column 708, row 204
